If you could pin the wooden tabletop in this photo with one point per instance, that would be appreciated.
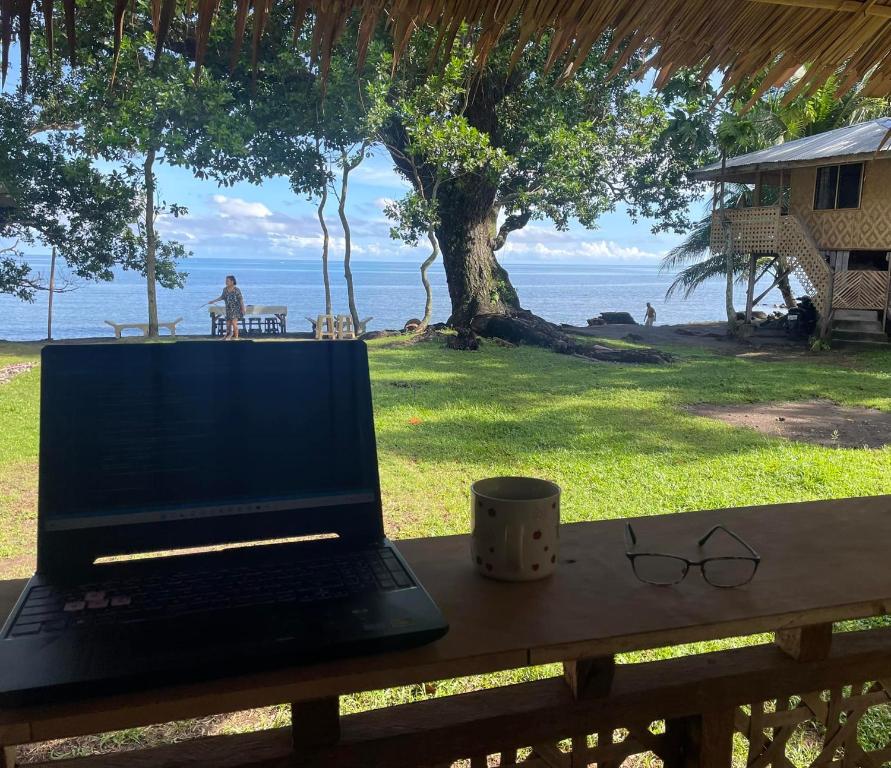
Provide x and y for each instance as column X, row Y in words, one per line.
column 821, row 562
column 255, row 309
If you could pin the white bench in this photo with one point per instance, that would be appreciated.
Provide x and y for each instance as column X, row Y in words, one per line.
column 337, row 326
column 119, row 328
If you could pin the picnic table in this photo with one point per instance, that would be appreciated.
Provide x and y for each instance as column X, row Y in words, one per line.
column 822, row 562
column 258, row 319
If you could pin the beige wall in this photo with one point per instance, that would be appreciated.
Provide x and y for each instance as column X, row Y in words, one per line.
column 867, row 228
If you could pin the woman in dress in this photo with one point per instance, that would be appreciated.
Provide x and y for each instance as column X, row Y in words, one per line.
column 235, row 308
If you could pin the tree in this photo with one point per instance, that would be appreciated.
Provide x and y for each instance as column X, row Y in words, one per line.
column 137, row 109
column 434, row 144
column 564, row 152
column 301, row 132
column 55, row 198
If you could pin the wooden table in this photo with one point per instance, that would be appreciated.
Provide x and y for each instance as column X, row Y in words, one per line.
column 279, row 312
column 821, row 562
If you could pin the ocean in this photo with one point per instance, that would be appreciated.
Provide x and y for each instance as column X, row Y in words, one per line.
column 389, row 291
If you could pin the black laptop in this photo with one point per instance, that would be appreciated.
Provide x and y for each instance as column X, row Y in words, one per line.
column 205, row 509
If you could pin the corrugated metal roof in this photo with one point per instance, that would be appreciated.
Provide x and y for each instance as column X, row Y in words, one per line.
column 859, row 139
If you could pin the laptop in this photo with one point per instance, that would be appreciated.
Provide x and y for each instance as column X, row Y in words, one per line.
column 205, row 509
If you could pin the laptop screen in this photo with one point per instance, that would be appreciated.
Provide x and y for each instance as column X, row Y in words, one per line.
column 150, row 433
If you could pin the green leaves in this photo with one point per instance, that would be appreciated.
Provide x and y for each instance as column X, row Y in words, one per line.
column 61, row 201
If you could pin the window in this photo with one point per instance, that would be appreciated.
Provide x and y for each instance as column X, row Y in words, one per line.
column 838, row 186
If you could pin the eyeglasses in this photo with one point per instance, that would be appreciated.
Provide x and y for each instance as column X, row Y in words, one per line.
column 664, row 569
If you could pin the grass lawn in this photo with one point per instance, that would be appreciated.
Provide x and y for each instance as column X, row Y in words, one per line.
column 616, row 438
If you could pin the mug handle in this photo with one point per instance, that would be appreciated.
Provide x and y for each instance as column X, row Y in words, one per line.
column 513, row 541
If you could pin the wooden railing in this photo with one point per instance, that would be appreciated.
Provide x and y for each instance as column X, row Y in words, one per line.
column 764, row 230
column 860, row 289
column 745, row 230
column 821, row 562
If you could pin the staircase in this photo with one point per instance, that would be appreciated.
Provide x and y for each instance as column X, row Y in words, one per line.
column 858, row 328
column 764, row 230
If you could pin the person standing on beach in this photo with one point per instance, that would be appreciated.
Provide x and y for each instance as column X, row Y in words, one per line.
column 235, row 309
column 650, row 316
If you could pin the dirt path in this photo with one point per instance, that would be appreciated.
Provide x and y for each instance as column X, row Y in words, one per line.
column 9, row 372
column 820, row 422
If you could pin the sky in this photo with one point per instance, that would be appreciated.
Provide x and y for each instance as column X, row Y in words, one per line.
column 269, row 220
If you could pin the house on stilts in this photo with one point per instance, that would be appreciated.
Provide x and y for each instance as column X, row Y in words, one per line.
column 828, row 222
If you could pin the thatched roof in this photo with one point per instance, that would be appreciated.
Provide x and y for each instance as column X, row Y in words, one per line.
column 737, row 37
column 853, row 143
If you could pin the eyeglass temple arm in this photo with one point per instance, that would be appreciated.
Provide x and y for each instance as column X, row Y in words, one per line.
column 742, row 541
column 630, row 538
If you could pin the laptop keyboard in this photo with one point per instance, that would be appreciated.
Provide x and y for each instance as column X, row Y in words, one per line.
column 54, row 609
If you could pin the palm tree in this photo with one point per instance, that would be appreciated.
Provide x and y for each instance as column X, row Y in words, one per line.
column 771, row 120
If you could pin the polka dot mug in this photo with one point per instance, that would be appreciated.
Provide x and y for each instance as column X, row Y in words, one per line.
column 515, row 533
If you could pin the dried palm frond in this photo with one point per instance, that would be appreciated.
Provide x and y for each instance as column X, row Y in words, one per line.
column 47, row 6
column 241, row 12
column 120, row 7
column 24, row 40
column 165, row 17
column 7, row 10
column 71, row 30
column 206, row 11
column 741, row 38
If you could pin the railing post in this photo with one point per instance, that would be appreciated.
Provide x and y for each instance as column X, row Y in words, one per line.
column 810, row 643
column 826, row 317
column 750, row 290
column 7, row 757
column 701, row 741
column 314, row 724
column 589, row 678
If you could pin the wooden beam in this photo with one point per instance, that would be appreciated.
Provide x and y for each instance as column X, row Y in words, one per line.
column 438, row 731
column 774, row 284
column 750, row 288
column 7, row 757
column 826, row 319
column 811, row 643
column 702, row 741
column 315, row 723
column 589, row 677
column 842, row 6
column 765, row 270
column 781, row 190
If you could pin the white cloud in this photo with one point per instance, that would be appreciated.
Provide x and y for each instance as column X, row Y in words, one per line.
column 235, row 207
column 576, row 248
column 238, row 226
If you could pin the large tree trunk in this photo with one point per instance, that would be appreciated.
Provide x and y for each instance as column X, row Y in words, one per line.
column 522, row 327
column 467, row 210
column 151, row 243
column 478, row 284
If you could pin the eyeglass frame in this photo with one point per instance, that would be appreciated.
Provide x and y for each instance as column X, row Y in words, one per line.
column 754, row 557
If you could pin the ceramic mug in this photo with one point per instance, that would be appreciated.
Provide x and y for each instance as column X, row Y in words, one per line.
column 515, row 531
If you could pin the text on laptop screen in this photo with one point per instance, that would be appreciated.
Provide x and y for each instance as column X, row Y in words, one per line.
column 176, row 431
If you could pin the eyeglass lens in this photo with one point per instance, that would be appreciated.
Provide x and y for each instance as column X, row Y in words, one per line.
column 728, row 571
column 659, row 569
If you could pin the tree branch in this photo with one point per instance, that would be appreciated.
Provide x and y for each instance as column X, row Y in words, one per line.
column 511, row 224
column 37, row 129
